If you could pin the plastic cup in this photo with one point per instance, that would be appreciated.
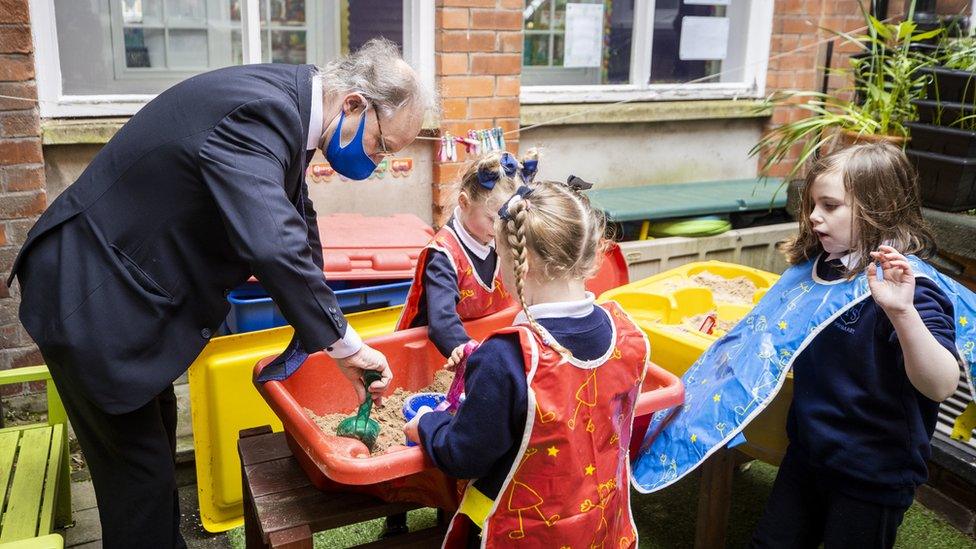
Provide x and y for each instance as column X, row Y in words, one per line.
column 413, row 403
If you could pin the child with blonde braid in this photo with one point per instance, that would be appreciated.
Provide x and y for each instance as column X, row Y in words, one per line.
column 543, row 434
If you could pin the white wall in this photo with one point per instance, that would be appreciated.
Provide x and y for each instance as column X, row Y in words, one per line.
column 628, row 155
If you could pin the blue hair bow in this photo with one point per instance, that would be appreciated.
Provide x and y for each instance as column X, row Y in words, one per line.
column 522, row 192
column 529, row 169
column 487, row 178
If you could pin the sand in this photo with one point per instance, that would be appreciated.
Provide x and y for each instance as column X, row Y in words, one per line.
column 727, row 290
column 390, row 416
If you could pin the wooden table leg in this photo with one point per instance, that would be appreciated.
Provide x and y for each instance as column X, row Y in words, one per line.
column 252, row 529
column 299, row 537
column 714, row 499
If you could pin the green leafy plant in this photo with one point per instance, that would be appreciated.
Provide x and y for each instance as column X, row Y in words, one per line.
column 884, row 78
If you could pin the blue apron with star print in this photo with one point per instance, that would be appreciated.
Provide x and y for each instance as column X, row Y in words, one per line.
column 741, row 373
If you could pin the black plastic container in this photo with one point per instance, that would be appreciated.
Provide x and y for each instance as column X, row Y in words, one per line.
column 946, row 183
column 936, row 139
column 945, row 113
column 950, row 85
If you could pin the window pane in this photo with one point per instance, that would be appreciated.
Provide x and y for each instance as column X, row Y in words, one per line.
column 288, row 12
column 288, row 47
column 136, row 46
column 145, row 48
column 536, row 51
column 188, row 49
column 677, row 56
column 373, row 19
column 186, row 12
column 591, row 42
column 537, row 14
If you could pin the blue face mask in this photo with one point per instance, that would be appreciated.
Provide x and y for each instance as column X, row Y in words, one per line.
column 351, row 160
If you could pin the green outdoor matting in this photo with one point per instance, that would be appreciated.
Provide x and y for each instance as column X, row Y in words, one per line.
column 689, row 199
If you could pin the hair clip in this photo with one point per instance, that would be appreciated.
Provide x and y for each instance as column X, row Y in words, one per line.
column 509, row 165
column 521, row 193
column 487, row 177
column 529, row 169
column 578, row 184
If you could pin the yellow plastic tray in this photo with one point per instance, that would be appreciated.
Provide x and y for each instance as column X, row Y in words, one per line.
column 223, row 401
column 659, row 306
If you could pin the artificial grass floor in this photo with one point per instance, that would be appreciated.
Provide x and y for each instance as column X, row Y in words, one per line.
column 666, row 520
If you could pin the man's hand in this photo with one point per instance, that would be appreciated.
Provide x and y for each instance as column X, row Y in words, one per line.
column 367, row 358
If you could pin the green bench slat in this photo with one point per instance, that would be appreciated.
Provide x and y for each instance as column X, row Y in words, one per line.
column 45, row 523
column 8, row 448
column 21, row 516
column 689, row 199
column 50, row 541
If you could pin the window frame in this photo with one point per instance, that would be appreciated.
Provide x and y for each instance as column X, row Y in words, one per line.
column 758, row 18
column 418, row 49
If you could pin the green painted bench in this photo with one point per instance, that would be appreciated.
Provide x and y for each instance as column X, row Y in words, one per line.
column 35, row 484
column 670, row 200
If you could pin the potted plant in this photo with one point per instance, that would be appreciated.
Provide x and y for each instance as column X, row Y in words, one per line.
column 885, row 79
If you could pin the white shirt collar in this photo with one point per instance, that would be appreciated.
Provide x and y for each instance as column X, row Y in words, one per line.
column 470, row 242
column 559, row 309
column 315, row 118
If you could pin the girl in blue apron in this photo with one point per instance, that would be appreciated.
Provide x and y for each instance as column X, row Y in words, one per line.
column 867, row 387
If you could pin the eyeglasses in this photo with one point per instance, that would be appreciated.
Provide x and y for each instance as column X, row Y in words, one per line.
column 383, row 152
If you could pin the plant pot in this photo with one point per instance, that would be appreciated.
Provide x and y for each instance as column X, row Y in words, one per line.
column 944, row 113
column 947, row 141
column 945, row 182
column 846, row 138
column 950, row 85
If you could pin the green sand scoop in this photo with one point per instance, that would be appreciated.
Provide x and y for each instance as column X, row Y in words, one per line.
column 360, row 426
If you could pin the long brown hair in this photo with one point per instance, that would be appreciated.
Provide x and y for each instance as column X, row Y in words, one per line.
column 566, row 236
column 883, row 190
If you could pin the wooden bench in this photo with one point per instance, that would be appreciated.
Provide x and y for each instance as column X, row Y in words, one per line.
column 676, row 200
column 35, row 485
column 282, row 508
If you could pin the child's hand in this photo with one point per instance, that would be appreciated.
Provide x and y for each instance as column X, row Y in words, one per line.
column 412, row 428
column 456, row 356
column 896, row 293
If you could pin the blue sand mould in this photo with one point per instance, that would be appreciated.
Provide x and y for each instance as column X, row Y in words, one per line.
column 415, row 402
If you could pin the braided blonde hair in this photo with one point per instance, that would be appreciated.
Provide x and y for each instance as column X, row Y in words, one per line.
column 566, row 235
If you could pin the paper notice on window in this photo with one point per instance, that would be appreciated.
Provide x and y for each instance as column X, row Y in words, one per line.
column 703, row 38
column 584, row 35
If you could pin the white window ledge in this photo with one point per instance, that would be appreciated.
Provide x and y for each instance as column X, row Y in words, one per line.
column 638, row 112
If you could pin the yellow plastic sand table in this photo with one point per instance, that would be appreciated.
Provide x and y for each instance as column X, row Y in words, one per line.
column 671, row 308
column 223, row 401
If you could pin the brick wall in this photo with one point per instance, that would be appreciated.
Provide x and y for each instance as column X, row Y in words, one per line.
column 478, row 56
column 22, row 196
column 798, row 51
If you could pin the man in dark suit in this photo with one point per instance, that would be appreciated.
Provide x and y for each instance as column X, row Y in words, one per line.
column 124, row 277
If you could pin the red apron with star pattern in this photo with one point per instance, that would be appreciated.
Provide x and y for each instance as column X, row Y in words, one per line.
column 477, row 299
column 570, row 484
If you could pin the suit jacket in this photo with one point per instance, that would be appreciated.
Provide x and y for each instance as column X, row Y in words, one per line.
column 124, row 277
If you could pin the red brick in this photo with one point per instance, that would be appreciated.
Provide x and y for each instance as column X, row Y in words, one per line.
column 15, row 40
column 17, row 230
column 449, row 172
column 20, row 151
column 461, row 127
column 4, row 290
column 16, row 68
column 508, row 125
column 15, row 205
column 454, row 41
column 469, row 3
column 508, row 86
column 454, row 108
column 14, row 11
column 27, row 90
column 496, row 19
column 512, row 4
column 3, row 239
column 496, row 63
column 28, row 356
column 19, row 124
column 510, row 42
column 467, row 86
column 451, row 63
column 495, row 107
column 449, row 18
column 798, row 26
column 24, row 179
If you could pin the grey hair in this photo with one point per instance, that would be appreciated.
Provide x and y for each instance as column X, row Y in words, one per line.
column 376, row 71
